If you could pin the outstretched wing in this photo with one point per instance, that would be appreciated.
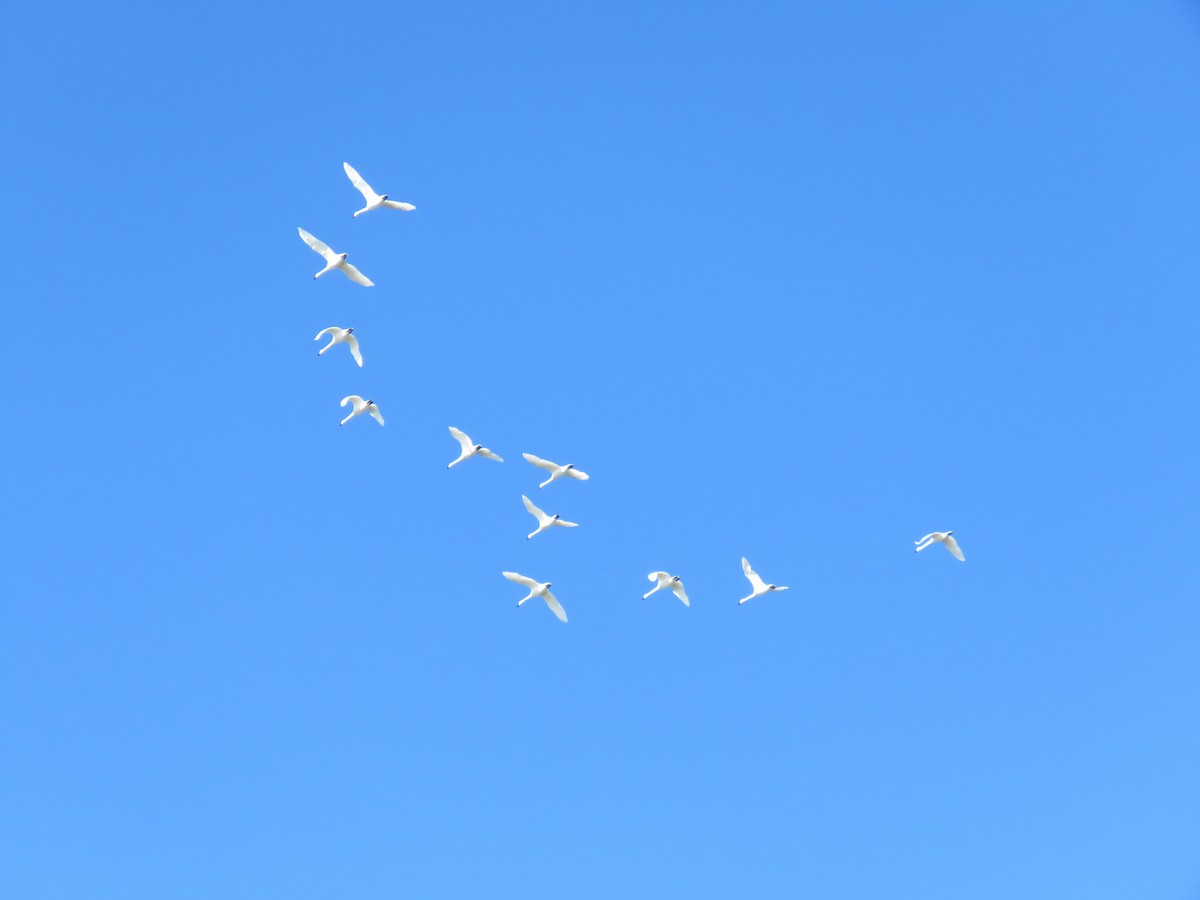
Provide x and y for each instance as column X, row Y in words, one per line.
column 952, row 546
column 755, row 582
column 376, row 414
column 539, row 462
column 396, row 204
column 357, row 180
column 353, row 398
column 533, row 510
column 555, row 606
column 462, row 439
column 657, row 576
column 353, row 342
column 520, row 579
column 485, row 452
column 356, row 276
column 318, row 245
column 677, row 587
column 577, row 475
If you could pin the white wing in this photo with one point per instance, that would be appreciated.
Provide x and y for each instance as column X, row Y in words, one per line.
column 952, row 546
column 353, row 398
column 356, row 276
column 565, row 524
column 555, row 606
column 677, row 587
column 490, row 455
column 353, row 342
column 540, row 463
column 376, row 414
column 520, row 579
column 657, row 576
column 755, row 582
column 462, row 439
column 396, row 204
column 318, row 245
column 577, row 475
column 363, row 188
column 533, row 510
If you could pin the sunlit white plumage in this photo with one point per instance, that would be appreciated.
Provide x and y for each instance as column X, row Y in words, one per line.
column 556, row 471
column 374, row 200
column 668, row 581
column 544, row 521
column 757, row 584
column 334, row 260
column 944, row 537
column 537, row 589
column 361, row 406
column 340, row 336
column 470, row 448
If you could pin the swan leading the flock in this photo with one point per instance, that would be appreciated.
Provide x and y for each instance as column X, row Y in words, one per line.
column 537, row 589
column 947, row 541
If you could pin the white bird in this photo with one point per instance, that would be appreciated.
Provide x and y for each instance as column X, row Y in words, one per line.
column 944, row 536
column 556, row 471
column 361, row 406
column 374, row 200
column 469, row 448
column 537, row 589
column 668, row 581
column 334, row 260
column 340, row 336
column 544, row 521
column 757, row 583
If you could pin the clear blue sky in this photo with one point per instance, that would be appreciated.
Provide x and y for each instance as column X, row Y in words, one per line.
column 812, row 282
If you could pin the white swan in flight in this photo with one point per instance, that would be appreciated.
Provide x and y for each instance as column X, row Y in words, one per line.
column 544, row 521
column 340, row 336
column 556, row 471
column 668, row 581
column 944, row 536
column 757, row 583
column 538, row 589
column 334, row 260
column 361, row 406
column 469, row 448
column 374, row 200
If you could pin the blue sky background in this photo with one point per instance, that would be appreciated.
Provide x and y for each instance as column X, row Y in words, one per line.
column 789, row 281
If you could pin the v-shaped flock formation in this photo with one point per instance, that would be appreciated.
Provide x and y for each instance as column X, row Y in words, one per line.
column 545, row 521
